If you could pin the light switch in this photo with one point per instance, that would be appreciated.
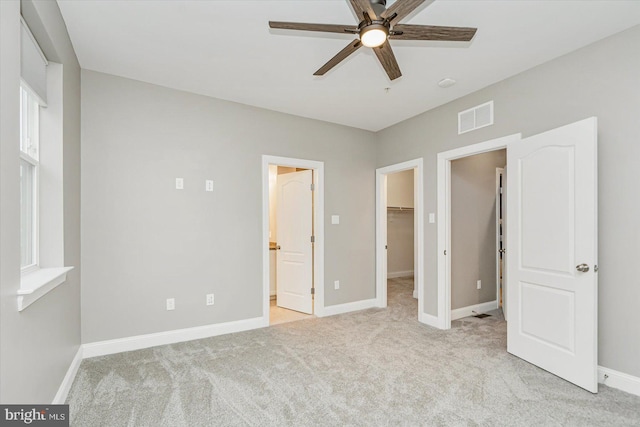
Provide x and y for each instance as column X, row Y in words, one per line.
column 208, row 185
column 335, row 219
column 179, row 183
column 432, row 218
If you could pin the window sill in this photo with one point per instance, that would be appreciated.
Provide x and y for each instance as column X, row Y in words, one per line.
column 36, row 284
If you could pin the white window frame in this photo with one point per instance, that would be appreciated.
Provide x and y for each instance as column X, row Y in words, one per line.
column 30, row 154
column 47, row 270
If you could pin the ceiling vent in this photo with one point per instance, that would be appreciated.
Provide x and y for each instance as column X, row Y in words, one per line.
column 475, row 118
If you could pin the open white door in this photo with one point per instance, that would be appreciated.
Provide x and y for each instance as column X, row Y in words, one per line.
column 552, row 243
column 294, row 231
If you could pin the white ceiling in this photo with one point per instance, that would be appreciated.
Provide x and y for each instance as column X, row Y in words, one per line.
column 226, row 50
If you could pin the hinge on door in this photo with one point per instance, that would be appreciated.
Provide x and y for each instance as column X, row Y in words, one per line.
column 313, row 239
column 313, row 291
column 313, row 187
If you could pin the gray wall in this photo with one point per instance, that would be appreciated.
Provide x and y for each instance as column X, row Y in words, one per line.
column 143, row 241
column 473, row 228
column 399, row 242
column 39, row 343
column 599, row 80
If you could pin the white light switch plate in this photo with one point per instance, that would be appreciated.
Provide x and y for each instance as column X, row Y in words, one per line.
column 171, row 304
column 335, row 219
column 336, row 284
column 179, row 183
column 432, row 218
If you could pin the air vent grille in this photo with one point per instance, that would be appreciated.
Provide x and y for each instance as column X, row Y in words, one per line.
column 475, row 118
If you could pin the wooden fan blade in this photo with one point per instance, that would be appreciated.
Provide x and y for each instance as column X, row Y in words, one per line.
column 360, row 6
column 351, row 47
column 388, row 60
column 326, row 28
column 432, row 32
column 403, row 8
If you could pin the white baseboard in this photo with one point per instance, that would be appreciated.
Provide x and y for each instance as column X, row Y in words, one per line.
column 348, row 307
column 395, row 274
column 67, row 381
column 459, row 313
column 428, row 319
column 619, row 380
column 138, row 342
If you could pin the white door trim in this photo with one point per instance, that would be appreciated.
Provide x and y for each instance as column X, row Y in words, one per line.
column 499, row 172
column 318, row 227
column 418, row 227
column 444, row 216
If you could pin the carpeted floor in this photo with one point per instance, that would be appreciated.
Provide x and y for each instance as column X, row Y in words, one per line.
column 373, row 367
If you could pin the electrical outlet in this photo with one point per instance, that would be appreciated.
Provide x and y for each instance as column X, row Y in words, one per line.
column 479, row 284
column 336, row 285
column 171, row 303
column 210, row 299
column 179, row 183
column 208, row 185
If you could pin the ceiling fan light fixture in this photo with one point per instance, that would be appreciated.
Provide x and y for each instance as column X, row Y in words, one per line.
column 374, row 35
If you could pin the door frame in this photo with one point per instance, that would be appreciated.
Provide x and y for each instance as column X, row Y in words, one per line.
column 318, row 227
column 418, row 230
column 444, row 160
column 499, row 173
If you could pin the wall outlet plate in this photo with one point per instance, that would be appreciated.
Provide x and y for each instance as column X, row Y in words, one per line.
column 208, row 185
column 210, row 299
column 336, row 284
column 171, row 303
column 179, row 183
column 335, row 219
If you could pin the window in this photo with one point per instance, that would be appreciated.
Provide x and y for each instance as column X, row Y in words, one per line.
column 29, row 165
column 41, row 173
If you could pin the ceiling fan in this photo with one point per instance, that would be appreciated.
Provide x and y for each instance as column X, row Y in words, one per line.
column 377, row 26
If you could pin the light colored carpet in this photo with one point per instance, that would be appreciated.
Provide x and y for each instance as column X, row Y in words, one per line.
column 374, row 367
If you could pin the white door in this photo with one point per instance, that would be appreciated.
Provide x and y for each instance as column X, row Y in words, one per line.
column 552, row 245
column 294, row 230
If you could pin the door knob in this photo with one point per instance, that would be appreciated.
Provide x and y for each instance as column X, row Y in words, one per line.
column 582, row 268
column 278, row 248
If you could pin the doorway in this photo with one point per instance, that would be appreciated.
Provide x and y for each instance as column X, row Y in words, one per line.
column 413, row 202
column 444, row 225
column 293, row 234
column 474, row 206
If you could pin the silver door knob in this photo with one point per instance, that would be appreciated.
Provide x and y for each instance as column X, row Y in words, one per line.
column 582, row 268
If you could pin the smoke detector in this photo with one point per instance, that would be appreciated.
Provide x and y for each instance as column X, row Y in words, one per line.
column 445, row 83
